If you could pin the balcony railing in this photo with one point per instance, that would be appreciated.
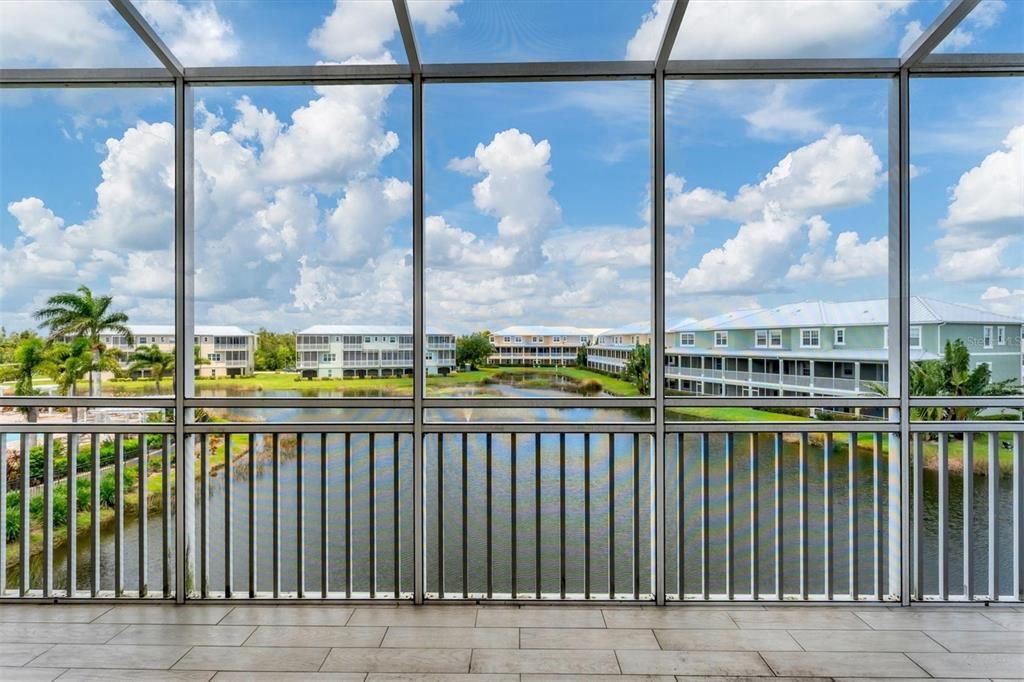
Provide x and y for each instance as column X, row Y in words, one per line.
column 774, row 378
column 813, row 511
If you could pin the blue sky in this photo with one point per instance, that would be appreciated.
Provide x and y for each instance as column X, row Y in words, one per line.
column 537, row 194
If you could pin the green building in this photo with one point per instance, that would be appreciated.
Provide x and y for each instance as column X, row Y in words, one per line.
column 828, row 348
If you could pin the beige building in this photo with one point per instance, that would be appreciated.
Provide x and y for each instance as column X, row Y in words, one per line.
column 226, row 351
column 613, row 347
column 539, row 345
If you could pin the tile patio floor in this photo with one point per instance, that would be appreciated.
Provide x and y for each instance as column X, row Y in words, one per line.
column 529, row 643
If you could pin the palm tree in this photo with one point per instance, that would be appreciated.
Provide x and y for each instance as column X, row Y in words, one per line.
column 69, row 363
column 951, row 376
column 151, row 358
column 29, row 358
column 81, row 314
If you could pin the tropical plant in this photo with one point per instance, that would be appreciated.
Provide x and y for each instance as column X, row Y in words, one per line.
column 581, row 357
column 68, row 363
column 150, row 358
column 638, row 368
column 951, row 376
column 80, row 314
column 473, row 349
column 274, row 351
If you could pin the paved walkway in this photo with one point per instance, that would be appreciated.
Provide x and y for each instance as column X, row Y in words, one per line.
column 200, row 642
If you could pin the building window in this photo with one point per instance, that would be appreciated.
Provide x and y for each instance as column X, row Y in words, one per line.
column 810, row 338
column 775, row 338
column 987, row 337
column 839, row 336
column 1001, row 336
column 213, row 357
column 721, row 339
column 761, row 338
column 686, row 339
column 915, row 337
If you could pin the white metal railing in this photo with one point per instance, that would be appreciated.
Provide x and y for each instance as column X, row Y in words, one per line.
column 796, row 511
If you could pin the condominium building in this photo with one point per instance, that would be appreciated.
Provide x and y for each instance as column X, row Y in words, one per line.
column 611, row 350
column 827, row 348
column 224, row 351
column 351, row 351
column 538, row 345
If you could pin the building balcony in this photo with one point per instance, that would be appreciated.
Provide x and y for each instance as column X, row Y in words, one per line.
column 774, row 379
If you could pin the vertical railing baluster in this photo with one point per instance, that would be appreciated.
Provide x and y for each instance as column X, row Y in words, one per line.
column 876, row 517
column 165, row 514
column 804, row 502
column 918, row 519
column 324, row 527
column 730, row 525
column 3, row 516
column 348, row 515
column 561, row 514
column 465, row 515
column 777, row 452
column 636, row 516
column 47, row 512
column 396, row 545
column 490, row 525
column 25, row 532
column 680, row 520
column 142, row 450
column 755, row 494
column 72, row 514
column 968, row 514
column 827, row 520
column 537, row 515
column 300, row 520
column 118, row 515
column 943, row 528
column 705, row 515
column 611, row 516
column 586, row 516
column 993, row 516
column 853, row 537
column 229, row 563
column 275, row 510
column 440, row 515
column 372, row 466
column 1018, row 515
column 95, row 549
column 514, row 533
column 204, row 517
column 252, row 515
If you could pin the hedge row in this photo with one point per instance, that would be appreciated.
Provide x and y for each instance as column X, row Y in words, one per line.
column 83, row 501
column 37, row 455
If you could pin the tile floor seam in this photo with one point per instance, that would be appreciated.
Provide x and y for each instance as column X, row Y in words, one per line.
column 916, row 664
column 858, row 617
column 945, row 648
column 99, row 615
column 65, row 672
column 795, row 639
column 229, row 612
column 768, row 665
column 116, row 634
column 187, row 650
column 29, row 661
column 617, row 661
column 254, row 631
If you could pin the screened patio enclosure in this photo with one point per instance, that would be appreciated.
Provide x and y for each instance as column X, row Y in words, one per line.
column 844, row 480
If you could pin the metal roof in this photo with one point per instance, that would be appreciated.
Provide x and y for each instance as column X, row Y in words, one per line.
column 364, row 329
column 869, row 355
column 871, row 312
column 542, row 330
column 200, row 329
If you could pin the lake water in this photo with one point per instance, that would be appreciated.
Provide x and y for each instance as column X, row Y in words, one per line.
column 630, row 472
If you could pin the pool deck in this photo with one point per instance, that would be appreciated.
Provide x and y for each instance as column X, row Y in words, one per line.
column 528, row 643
